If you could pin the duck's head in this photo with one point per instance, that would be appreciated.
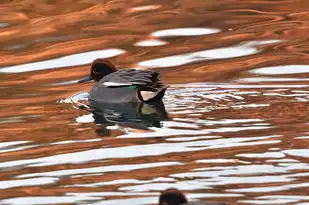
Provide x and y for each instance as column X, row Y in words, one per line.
column 99, row 69
column 172, row 196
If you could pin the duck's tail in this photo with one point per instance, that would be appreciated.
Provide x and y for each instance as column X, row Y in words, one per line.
column 149, row 94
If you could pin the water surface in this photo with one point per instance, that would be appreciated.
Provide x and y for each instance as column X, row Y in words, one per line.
column 237, row 126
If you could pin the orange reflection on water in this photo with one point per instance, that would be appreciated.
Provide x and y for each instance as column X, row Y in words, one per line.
column 237, row 129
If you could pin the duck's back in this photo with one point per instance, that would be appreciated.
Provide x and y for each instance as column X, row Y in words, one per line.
column 127, row 86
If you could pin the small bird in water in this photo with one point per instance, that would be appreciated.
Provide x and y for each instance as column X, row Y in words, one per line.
column 121, row 86
column 174, row 196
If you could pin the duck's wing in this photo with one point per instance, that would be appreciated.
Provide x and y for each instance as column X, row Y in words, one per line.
column 131, row 77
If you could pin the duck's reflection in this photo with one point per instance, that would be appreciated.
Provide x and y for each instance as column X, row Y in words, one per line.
column 133, row 115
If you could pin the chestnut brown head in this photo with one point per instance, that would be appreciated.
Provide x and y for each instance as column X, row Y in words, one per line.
column 99, row 69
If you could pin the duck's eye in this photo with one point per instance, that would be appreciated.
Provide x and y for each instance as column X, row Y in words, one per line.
column 96, row 69
column 100, row 68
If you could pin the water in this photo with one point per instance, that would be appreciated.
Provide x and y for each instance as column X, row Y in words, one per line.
column 237, row 125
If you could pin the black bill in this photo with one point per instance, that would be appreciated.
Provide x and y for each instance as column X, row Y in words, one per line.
column 86, row 79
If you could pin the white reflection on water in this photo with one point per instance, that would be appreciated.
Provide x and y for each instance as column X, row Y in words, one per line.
column 85, row 118
column 18, row 148
column 283, row 160
column 297, row 152
column 226, row 121
column 219, row 53
column 131, row 201
column 182, row 185
column 7, row 144
column 14, row 146
column 236, row 170
column 262, row 155
column 191, row 138
column 124, row 181
column 240, row 86
column 76, row 141
column 176, row 132
column 261, row 79
column 47, row 200
column 140, row 150
column 281, row 187
column 113, row 168
column 283, row 69
column 65, row 61
column 221, row 161
column 27, row 182
column 3, row 24
column 149, row 43
column 212, row 54
column 277, row 199
column 194, row 184
column 269, row 201
column 115, row 194
column 144, row 8
column 185, row 32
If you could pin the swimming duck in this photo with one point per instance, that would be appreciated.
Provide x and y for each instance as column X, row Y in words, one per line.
column 174, row 196
column 121, row 86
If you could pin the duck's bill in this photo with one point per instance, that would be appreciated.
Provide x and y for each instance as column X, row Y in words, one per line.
column 86, row 79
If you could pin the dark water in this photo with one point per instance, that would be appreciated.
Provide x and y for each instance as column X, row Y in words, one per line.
column 237, row 127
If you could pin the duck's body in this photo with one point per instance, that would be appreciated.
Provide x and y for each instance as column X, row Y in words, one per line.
column 122, row 86
column 128, row 86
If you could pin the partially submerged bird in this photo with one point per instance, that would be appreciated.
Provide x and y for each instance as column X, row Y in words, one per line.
column 121, row 86
column 174, row 196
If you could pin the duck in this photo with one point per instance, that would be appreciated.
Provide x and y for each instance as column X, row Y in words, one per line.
column 125, row 85
column 173, row 196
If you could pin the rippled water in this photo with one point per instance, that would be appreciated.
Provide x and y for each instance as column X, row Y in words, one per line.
column 237, row 126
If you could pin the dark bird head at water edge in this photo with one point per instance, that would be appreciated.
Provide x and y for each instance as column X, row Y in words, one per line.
column 174, row 196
